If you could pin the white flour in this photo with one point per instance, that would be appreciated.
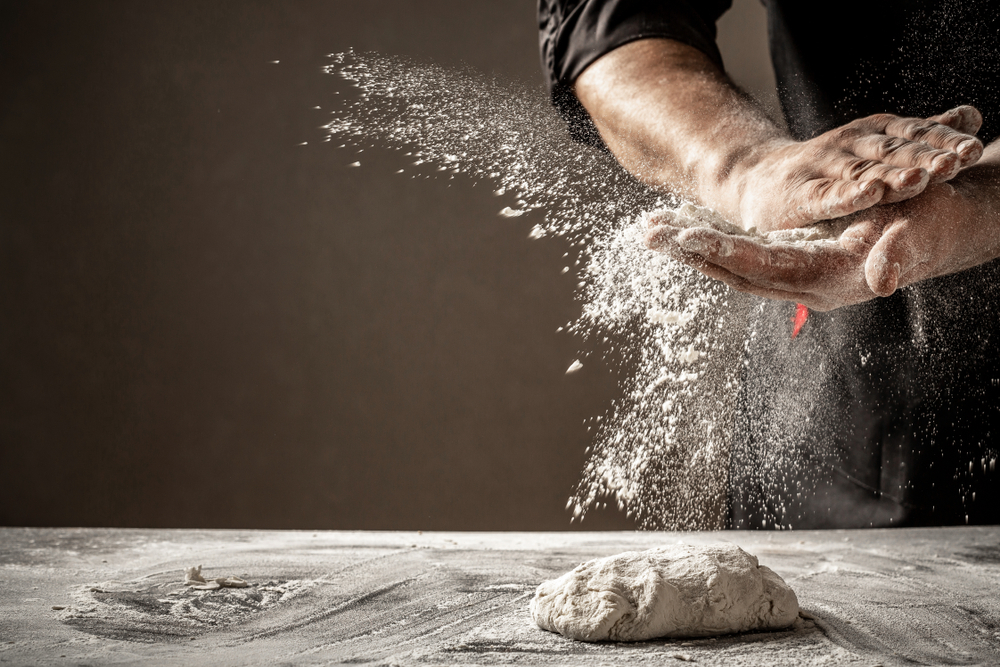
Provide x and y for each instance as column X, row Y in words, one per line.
column 677, row 591
column 163, row 605
column 661, row 452
column 690, row 215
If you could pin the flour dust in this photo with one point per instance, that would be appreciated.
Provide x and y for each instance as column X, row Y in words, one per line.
column 661, row 452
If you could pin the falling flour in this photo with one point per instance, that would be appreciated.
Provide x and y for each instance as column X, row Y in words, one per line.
column 661, row 452
column 677, row 591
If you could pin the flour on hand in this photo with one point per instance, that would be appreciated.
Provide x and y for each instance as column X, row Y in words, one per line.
column 676, row 591
column 691, row 216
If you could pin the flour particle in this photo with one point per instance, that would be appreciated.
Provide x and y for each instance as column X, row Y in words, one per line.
column 660, row 452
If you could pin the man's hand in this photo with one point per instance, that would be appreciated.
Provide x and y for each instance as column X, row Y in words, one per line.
column 948, row 228
column 821, row 275
column 880, row 159
column 676, row 122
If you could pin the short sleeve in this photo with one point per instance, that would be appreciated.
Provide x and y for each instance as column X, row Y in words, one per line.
column 575, row 33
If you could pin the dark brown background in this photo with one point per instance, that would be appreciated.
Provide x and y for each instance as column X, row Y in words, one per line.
column 203, row 323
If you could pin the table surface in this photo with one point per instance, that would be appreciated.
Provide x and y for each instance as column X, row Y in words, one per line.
column 111, row 596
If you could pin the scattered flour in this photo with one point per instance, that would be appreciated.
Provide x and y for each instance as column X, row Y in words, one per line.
column 160, row 606
column 661, row 453
column 677, row 591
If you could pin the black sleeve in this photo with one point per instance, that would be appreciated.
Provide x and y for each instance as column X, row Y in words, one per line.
column 575, row 33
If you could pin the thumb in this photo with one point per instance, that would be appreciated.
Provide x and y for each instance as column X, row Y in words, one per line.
column 861, row 235
column 891, row 257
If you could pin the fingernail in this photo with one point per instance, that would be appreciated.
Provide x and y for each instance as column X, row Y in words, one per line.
column 944, row 164
column 865, row 192
column 913, row 177
column 967, row 147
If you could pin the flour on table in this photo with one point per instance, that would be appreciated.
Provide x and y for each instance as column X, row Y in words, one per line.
column 676, row 591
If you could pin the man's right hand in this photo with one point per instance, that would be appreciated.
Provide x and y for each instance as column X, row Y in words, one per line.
column 880, row 159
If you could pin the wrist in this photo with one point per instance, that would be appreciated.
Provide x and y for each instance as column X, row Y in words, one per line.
column 979, row 189
column 734, row 182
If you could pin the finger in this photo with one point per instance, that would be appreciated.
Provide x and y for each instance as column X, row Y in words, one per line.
column 861, row 235
column 901, row 183
column 813, row 301
column 936, row 135
column 885, row 152
column 881, row 274
column 779, row 266
column 741, row 283
column 891, row 257
column 829, row 198
column 660, row 217
column 965, row 119
column 822, row 277
column 664, row 239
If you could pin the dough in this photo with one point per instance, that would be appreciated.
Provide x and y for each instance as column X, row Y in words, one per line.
column 677, row 591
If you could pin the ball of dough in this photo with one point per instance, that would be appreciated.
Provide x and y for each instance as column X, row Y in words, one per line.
column 677, row 591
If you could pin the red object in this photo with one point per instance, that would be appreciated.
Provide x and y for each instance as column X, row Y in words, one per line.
column 801, row 315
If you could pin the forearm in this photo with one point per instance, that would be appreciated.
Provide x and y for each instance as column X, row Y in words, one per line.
column 950, row 228
column 675, row 121
column 979, row 187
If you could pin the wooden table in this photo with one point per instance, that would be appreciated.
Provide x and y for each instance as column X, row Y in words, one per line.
column 108, row 596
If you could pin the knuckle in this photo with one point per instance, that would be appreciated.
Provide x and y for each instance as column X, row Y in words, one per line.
column 816, row 188
column 817, row 191
column 890, row 146
column 921, row 129
column 879, row 119
column 798, row 176
column 848, row 133
column 859, row 166
column 821, row 153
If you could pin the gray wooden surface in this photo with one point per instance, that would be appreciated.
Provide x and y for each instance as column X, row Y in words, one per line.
column 95, row 596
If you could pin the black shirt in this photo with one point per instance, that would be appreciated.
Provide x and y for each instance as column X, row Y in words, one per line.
column 888, row 412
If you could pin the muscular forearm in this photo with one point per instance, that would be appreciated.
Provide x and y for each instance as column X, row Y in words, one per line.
column 674, row 119
column 962, row 229
column 981, row 185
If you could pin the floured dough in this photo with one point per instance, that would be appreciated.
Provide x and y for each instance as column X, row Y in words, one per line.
column 676, row 591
